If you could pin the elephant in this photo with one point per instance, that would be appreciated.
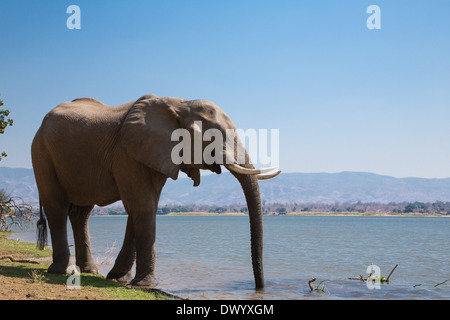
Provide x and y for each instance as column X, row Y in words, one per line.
column 87, row 153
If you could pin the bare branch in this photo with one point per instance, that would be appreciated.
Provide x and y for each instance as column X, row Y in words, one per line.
column 19, row 260
column 391, row 272
column 441, row 283
column 14, row 212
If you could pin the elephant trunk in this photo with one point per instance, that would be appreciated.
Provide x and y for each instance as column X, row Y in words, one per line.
column 252, row 194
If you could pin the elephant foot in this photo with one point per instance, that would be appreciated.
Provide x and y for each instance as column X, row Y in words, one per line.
column 120, row 277
column 58, row 268
column 89, row 269
column 148, row 281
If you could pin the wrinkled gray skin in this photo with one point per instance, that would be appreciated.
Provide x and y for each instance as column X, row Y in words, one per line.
column 87, row 153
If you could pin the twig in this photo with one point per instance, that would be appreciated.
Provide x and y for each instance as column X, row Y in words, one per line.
column 436, row 285
column 391, row 272
column 359, row 279
column 318, row 289
column 441, row 283
column 19, row 260
column 310, row 285
column 324, row 288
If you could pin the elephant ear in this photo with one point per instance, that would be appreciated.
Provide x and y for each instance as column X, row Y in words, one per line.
column 146, row 133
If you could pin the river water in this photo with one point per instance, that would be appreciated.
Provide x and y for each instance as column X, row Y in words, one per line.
column 208, row 257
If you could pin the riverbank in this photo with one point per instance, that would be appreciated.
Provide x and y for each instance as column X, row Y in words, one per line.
column 301, row 213
column 309, row 214
column 24, row 276
column 365, row 214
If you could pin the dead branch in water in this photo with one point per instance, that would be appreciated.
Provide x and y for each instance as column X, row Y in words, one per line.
column 360, row 278
column 391, row 272
column 441, row 283
column 310, row 283
column 378, row 278
column 436, row 285
column 319, row 290
column 382, row 279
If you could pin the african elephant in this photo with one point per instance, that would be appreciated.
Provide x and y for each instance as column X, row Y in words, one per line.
column 87, row 153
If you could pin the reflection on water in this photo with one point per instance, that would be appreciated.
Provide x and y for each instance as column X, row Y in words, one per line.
column 209, row 257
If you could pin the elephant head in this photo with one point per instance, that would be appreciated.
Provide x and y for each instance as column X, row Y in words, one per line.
column 146, row 135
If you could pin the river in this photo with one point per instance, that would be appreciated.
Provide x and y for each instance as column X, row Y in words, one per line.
column 208, row 257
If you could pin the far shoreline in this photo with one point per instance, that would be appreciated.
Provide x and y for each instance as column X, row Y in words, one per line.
column 291, row 214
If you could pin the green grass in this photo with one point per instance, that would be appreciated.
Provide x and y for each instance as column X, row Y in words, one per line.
column 25, row 248
column 37, row 273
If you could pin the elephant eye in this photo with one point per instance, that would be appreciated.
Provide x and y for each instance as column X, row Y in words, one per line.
column 212, row 114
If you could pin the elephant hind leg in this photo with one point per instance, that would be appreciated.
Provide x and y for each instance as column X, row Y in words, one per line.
column 56, row 213
column 79, row 216
column 54, row 202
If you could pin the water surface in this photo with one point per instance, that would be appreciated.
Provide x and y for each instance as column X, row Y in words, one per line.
column 204, row 257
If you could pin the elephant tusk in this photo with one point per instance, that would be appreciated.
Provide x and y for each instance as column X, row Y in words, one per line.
column 268, row 176
column 238, row 169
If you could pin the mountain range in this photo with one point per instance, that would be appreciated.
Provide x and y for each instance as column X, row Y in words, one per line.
column 224, row 189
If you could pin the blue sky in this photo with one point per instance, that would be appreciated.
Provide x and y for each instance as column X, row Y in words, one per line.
column 345, row 98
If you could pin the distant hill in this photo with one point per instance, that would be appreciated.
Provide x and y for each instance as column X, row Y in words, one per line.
column 223, row 189
column 344, row 187
column 19, row 182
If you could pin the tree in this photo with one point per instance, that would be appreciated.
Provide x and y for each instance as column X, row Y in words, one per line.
column 13, row 211
column 164, row 210
column 220, row 210
column 410, row 207
column 4, row 122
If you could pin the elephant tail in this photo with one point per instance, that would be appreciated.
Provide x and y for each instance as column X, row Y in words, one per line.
column 41, row 230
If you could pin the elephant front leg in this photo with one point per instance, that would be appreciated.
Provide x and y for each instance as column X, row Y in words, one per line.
column 144, row 232
column 125, row 260
column 140, row 189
